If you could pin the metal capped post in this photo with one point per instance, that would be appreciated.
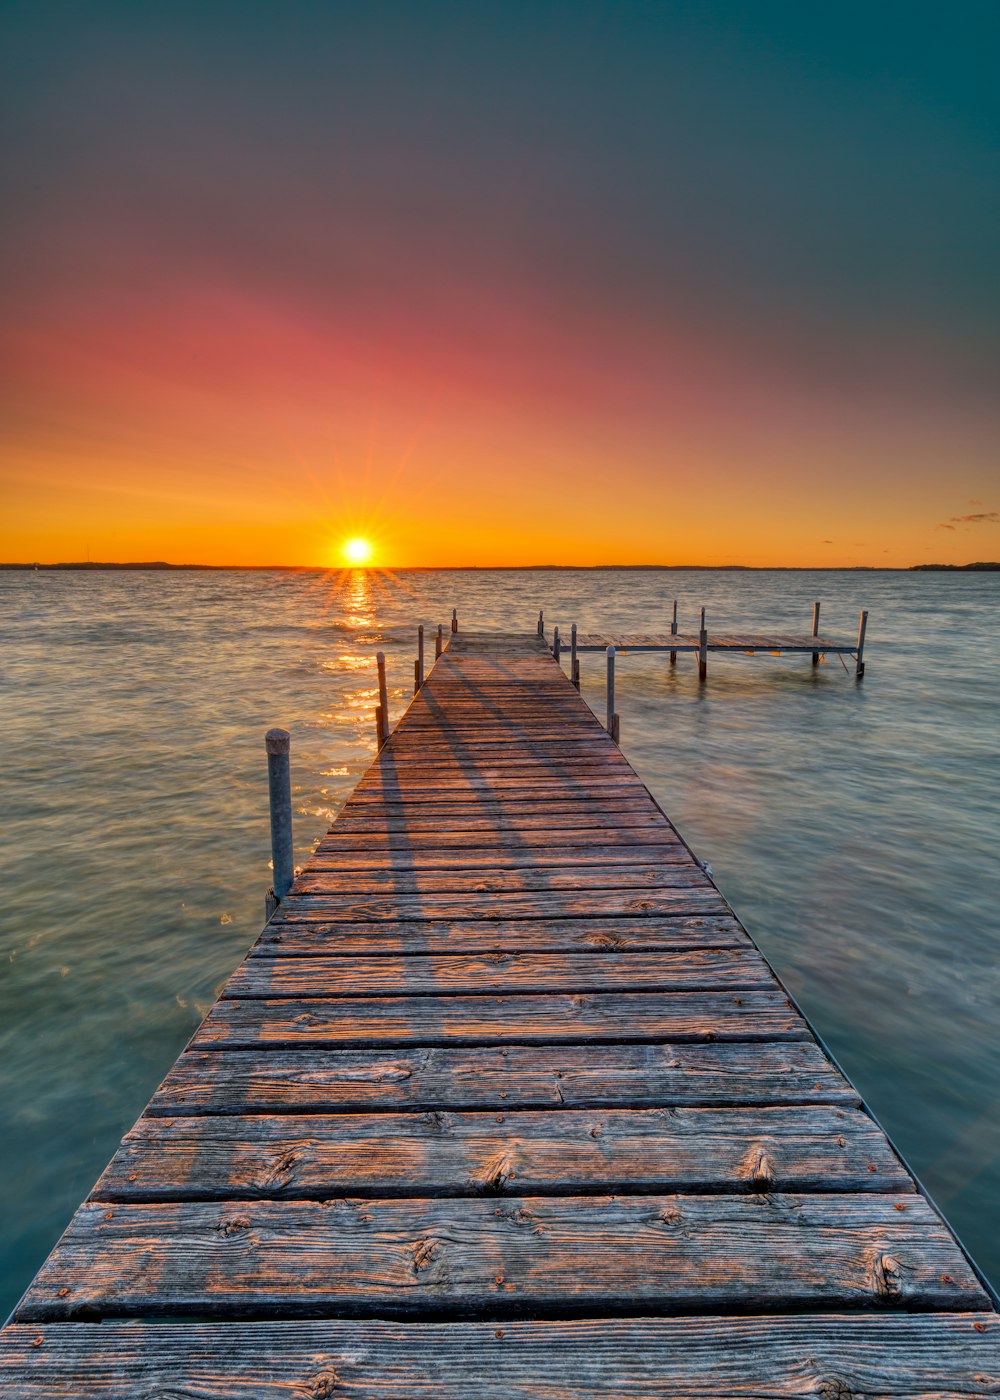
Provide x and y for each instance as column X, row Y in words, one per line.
column 815, row 631
column 702, row 649
column 611, row 690
column 862, row 629
column 279, row 789
column 383, row 699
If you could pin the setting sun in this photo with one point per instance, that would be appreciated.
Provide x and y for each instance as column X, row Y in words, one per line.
column 357, row 550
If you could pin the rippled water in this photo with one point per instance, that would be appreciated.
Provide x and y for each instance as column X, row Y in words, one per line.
column 854, row 827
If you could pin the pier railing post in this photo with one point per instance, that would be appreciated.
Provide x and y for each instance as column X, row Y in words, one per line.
column 611, row 690
column 439, row 642
column 555, row 643
column 279, row 790
column 574, row 669
column 541, row 623
column 673, row 633
column 454, row 619
column 420, row 656
column 383, row 699
column 859, row 669
column 702, row 649
column 815, row 631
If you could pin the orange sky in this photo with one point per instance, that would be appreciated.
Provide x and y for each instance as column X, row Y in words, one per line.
column 670, row 294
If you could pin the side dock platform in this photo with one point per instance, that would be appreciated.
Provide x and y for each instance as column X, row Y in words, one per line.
column 503, row 1102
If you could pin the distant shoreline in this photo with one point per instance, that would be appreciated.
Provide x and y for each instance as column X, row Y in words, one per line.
column 160, row 566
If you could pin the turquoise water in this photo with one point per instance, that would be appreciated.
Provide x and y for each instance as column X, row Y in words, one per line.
column 854, row 827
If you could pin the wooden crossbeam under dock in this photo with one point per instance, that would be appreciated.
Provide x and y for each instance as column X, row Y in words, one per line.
column 504, row 1101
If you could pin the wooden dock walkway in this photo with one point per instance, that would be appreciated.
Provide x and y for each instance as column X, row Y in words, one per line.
column 503, row 1102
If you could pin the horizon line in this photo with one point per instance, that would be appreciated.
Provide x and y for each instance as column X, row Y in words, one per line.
column 160, row 565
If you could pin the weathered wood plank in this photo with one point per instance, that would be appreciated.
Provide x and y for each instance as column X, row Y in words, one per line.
column 329, row 855
column 468, row 1257
column 321, row 1080
column 505, row 936
column 426, row 819
column 534, row 801
column 449, row 974
column 497, row 1020
column 453, row 1154
column 529, row 838
column 320, row 878
column 507, row 904
column 880, row 1356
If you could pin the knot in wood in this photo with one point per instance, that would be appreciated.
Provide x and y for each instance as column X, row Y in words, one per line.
column 494, row 1174
column 322, row 1386
column 886, row 1278
column 233, row 1224
column 833, row 1388
column 758, row 1169
column 424, row 1252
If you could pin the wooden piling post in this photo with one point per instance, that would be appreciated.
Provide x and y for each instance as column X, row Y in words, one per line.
column 611, row 690
column 615, row 729
column 574, row 669
column 379, row 724
column 815, row 631
column 383, row 698
column 439, row 642
column 416, row 676
column 702, row 649
column 420, row 656
column 277, row 742
column 673, row 633
column 541, row 623
column 454, row 619
column 555, row 643
column 862, row 628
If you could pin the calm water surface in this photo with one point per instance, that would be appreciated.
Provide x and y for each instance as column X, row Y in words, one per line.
column 854, row 827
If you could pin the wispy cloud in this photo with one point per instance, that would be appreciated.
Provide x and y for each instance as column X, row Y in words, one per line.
column 979, row 517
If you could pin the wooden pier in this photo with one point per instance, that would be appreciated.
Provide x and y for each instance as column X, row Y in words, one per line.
column 504, row 1101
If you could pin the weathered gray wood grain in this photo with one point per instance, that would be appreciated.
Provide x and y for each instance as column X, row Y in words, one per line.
column 322, row 1079
column 846, row 1356
column 445, row 974
column 702, row 898
column 505, row 1019
column 453, row 1154
column 474, row 1257
column 320, row 878
column 683, row 932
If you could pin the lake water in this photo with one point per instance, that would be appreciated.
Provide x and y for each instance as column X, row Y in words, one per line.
column 854, row 827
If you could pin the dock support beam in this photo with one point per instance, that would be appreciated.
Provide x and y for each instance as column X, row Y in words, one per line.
column 574, row 669
column 279, row 790
column 541, row 623
column 420, row 656
column 454, row 619
column 815, row 631
column 859, row 669
column 556, row 649
column 439, row 642
column 611, row 691
column 673, row 633
column 382, row 714
column 702, row 649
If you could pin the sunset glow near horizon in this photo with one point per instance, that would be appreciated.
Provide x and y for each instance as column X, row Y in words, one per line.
column 705, row 284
